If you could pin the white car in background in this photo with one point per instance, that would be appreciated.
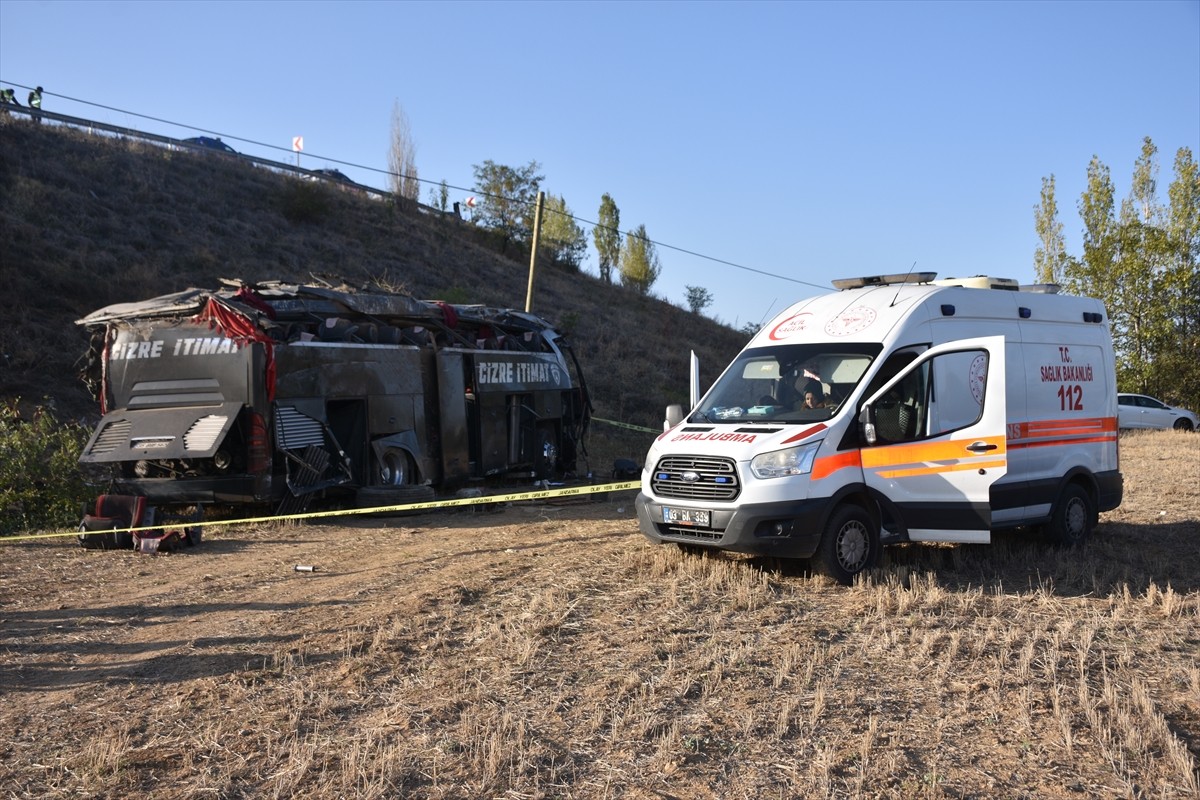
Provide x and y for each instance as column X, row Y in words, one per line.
column 1140, row 411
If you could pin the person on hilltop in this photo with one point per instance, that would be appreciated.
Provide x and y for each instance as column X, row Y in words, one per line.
column 35, row 102
column 7, row 96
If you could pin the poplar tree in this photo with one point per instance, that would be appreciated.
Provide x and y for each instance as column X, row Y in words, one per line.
column 563, row 239
column 639, row 261
column 1180, row 347
column 402, row 157
column 1139, row 310
column 607, row 236
column 1049, row 261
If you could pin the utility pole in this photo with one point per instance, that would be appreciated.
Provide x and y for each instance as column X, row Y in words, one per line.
column 537, row 230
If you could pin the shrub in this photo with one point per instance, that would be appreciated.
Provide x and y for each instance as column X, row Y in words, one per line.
column 41, row 485
column 304, row 202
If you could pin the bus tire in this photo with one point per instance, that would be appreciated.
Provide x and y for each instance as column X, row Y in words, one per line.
column 849, row 545
column 395, row 468
column 383, row 496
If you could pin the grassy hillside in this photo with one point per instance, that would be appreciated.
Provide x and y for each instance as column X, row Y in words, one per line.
column 89, row 220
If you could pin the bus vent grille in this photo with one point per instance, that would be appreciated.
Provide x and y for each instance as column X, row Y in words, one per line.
column 295, row 431
column 204, row 432
column 114, row 435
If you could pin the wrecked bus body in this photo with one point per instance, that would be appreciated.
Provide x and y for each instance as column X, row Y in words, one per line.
column 270, row 393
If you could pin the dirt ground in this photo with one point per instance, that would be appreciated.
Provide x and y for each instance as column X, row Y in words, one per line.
column 544, row 650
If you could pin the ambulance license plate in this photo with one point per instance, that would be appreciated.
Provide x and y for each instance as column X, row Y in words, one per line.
column 686, row 516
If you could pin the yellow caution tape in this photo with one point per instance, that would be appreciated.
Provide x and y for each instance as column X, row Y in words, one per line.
column 512, row 497
column 625, row 425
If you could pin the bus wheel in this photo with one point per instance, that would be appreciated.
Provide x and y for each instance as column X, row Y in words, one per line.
column 395, row 468
column 1073, row 517
column 384, row 496
column 546, row 456
column 848, row 546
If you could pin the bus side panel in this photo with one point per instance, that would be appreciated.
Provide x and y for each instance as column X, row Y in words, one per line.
column 453, row 413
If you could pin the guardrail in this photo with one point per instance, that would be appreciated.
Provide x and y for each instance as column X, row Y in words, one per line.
column 134, row 133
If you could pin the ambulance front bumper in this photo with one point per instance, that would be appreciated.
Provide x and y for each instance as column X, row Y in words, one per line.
column 787, row 529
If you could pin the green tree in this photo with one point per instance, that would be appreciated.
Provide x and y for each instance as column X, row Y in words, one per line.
column 1143, row 264
column 507, row 199
column 1180, row 347
column 607, row 236
column 1138, row 310
column 1092, row 274
column 698, row 298
column 750, row 329
column 439, row 197
column 1049, row 261
column 562, row 238
column 639, row 261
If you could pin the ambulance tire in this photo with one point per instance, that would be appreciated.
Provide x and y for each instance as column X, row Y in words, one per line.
column 849, row 545
column 1073, row 517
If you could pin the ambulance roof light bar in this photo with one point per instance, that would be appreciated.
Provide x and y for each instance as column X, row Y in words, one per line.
column 883, row 280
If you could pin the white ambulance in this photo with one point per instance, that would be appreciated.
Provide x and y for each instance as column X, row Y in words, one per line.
column 897, row 409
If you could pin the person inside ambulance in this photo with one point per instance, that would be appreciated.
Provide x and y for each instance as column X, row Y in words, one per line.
column 810, row 392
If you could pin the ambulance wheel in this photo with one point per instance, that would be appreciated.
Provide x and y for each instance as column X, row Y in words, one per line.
column 1073, row 517
column 395, row 468
column 849, row 545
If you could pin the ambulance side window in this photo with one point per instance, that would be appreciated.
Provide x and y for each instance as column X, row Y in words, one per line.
column 957, row 389
column 900, row 414
column 889, row 370
column 891, row 367
column 942, row 395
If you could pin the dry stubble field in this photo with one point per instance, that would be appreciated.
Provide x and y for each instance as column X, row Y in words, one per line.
column 549, row 651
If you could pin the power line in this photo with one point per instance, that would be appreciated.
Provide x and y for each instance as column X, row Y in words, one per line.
column 591, row 223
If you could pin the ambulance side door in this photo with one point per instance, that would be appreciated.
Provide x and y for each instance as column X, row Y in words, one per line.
column 935, row 440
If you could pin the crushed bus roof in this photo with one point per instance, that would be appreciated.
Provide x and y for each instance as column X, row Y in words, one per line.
column 293, row 301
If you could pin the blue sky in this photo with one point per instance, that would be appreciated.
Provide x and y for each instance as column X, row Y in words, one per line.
column 807, row 140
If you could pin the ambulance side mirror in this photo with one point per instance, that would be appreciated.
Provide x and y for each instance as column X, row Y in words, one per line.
column 867, row 425
column 674, row 416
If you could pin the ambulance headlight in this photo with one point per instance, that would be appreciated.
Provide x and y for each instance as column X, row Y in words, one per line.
column 781, row 463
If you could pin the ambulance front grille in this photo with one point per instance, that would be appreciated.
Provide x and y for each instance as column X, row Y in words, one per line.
column 114, row 435
column 695, row 478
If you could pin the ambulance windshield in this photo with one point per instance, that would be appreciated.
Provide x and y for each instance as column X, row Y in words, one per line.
column 790, row 383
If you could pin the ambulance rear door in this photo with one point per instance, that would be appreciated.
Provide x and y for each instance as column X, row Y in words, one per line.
column 934, row 441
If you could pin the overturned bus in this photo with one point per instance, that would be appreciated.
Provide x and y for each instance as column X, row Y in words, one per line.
column 269, row 393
